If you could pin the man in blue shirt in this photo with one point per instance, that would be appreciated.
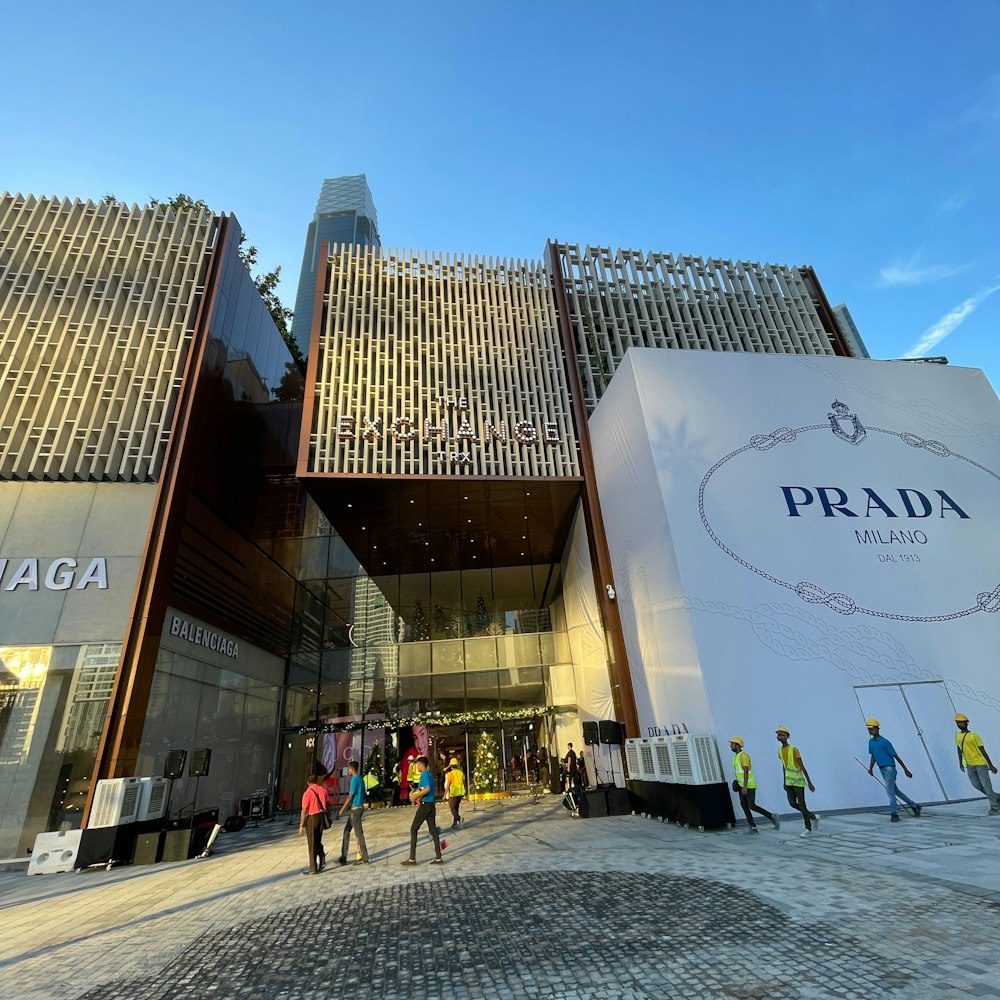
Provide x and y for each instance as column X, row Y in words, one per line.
column 883, row 753
column 356, row 802
column 423, row 795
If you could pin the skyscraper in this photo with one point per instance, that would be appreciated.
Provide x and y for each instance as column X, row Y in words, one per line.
column 345, row 213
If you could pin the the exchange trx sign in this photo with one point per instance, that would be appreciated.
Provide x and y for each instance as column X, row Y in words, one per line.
column 831, row 501
column 451, row 433
column 64, row 573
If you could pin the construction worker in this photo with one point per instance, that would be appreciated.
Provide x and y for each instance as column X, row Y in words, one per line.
column 975, row 761
column 796, row 778
column 746, row 784
column 883, row 753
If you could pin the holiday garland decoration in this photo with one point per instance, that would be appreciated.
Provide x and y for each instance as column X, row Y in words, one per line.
column 486, row 770
column 442, row 719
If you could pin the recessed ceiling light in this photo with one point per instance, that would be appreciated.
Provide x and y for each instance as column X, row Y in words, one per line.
column 522, row 553
column 363, row 528
column 350, row 505
column 470, row 520
column 413, row 501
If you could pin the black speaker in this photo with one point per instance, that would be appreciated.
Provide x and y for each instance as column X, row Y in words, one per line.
column 618, row 802
column 200, row 759
column 590, row 733
column 174, row 766
column 176, row 844
column 611, row 732
column 593, row 804
column 147, row 849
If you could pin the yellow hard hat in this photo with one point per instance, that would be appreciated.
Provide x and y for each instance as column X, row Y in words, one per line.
column 871, row 722
column 961, row 718
column 738, row 740
column 784, row 729
column 453, row 762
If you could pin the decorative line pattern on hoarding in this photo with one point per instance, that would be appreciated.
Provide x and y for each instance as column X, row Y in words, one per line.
column 812, row 593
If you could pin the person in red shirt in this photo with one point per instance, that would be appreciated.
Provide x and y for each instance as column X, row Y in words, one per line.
column 313, row 821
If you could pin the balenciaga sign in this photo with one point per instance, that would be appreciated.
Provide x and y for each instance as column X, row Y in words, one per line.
column 63, row 573
column 200, row 635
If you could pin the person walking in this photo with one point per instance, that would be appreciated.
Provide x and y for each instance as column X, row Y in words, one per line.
column 454, row 790
column 745, row 784
column 355, row 801
column 975, row 761
column 883, row 753
column 313, row 821
column 796, row 778
column 423, row 795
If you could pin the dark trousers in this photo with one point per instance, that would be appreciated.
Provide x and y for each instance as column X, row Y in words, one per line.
column 425, row 814
column 453, row 803
column 355, row 819
column 314, row 841
column 749, row 801
column 797, row 800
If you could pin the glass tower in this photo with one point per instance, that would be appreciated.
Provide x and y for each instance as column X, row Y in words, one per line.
column 345, row 213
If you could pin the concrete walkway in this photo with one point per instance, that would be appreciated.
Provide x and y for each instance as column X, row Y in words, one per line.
column 531, row 902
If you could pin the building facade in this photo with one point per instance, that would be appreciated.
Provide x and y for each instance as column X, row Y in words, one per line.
column 400, row 549
column 148, row 431
column 345, row 213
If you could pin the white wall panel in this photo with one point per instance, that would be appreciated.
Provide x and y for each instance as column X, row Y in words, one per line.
column 782, row 617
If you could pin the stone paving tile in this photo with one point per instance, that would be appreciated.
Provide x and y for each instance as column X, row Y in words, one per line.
column 539, row 905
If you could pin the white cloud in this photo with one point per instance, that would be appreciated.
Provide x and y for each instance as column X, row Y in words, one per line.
column 950, row 321
column 985, row 111
column 910, row 274
column 953, row 204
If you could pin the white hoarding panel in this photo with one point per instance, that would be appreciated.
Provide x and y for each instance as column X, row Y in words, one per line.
column 787, row 532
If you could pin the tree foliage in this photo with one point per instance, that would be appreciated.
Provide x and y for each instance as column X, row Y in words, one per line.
column 267, row 283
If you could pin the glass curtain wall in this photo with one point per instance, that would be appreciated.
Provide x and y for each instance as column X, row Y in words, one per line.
column 381, row 650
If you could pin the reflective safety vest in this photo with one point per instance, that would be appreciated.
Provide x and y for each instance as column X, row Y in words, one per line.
column 457, row 784
column 738, row 764
column 794, row 778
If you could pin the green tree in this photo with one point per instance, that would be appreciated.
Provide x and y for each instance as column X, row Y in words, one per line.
column 486, row 770
column 267, row 284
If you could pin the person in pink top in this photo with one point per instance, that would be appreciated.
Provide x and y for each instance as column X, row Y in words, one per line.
column 313, row 821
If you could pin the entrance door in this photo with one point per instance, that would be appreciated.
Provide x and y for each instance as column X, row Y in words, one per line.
column 917, row 719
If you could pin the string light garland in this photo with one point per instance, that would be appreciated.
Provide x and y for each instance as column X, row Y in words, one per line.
column 441, row 719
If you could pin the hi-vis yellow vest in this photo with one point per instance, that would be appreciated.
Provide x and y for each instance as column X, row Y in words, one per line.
column 457, row 784
column 794, row 778
column 738, row 764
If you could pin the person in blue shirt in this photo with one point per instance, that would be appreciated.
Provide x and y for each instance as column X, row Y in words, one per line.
column 883, row 753
column 423, row 795
column 356, row 802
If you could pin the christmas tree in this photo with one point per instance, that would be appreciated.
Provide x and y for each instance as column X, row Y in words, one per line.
column 483, row 617
column 486, row 771
column 418, row 624
column 374, row 764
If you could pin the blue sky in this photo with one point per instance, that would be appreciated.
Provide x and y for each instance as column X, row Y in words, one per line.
column 861, row 138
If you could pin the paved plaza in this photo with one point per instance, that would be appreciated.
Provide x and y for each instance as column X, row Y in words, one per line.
column 531, row 903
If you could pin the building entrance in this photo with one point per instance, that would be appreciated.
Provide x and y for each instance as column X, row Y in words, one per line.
column 917, row 719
